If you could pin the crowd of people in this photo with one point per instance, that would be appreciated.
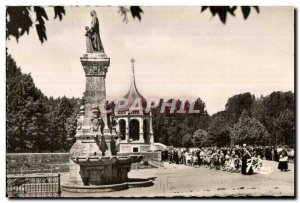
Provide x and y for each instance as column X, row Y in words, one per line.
column 246, row 159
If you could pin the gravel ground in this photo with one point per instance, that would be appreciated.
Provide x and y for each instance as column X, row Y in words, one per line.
column 185, row 181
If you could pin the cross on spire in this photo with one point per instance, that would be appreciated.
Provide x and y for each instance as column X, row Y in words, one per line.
column 132, row 62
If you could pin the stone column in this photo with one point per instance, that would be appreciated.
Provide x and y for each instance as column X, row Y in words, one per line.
column 95, row 66
column 118, row 127
column 141, row 123
column 151, row 129
column 127, row 128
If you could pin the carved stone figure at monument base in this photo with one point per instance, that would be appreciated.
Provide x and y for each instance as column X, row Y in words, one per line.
column 79, row 122
column 95, row 124
column 80, row 117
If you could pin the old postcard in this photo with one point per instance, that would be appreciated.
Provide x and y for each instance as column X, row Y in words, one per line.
column 150, row 101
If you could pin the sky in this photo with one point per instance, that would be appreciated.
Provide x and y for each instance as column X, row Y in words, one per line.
column 179, row 53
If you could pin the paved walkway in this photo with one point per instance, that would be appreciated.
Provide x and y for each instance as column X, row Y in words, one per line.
column 175, row 166
column 181, row 180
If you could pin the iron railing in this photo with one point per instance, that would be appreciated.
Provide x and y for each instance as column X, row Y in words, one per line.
column 37, row 185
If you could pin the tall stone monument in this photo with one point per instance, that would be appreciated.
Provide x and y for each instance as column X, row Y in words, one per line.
column 93, row 160
column 93, row 136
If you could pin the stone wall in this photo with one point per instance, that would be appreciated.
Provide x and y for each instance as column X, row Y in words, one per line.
column 17, row 163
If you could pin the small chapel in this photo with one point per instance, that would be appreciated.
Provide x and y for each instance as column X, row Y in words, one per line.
column 134, row 127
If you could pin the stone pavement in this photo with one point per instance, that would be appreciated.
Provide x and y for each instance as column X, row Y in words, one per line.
column 181, row 180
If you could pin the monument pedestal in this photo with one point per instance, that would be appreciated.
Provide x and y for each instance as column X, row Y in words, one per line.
column 94, row 166
column 91, row 123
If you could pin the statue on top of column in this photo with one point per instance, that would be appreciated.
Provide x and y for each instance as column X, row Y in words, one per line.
column 93, row 40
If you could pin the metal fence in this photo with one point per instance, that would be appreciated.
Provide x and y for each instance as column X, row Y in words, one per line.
column 37, row 185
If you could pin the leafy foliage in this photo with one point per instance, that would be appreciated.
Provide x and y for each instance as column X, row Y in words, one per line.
column 136, row 12
column 267, row 120
column 123, row 12
column 170, row 128
column 18, row 20
column 187, row 140
column 59, row 11
column 36, row 123
column 222, row 11
column 40, row 26
column 219, row 131
column 201, row 138
column 285, row 125
column 236, row 105
column 276, row 113
column 249, row 130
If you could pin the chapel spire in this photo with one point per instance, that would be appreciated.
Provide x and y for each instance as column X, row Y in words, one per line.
column 133, row 93
column 132, row 64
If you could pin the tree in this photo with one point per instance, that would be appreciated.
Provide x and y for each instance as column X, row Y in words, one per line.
column 219, row 131
column 187, row 141
column 25, row 110
column 250, row 131
column 272, row 110
column 201, row 138
column 62, row 116
column 285, row 125
column 169, row 128
column 35, row 123
column 236, row 105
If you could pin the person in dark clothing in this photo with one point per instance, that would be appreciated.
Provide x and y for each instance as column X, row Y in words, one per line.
column 216, row 161
column 283, row 160
column 170, row 156
column 176, row 157
column 164, row 155
column 198, row 157
column 245, row 157
column 276, row 154
column 268, row 153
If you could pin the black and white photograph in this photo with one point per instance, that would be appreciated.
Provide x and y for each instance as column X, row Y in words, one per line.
column 150, row 101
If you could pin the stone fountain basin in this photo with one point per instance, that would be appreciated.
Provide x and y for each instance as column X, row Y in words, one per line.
column 106, row 174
